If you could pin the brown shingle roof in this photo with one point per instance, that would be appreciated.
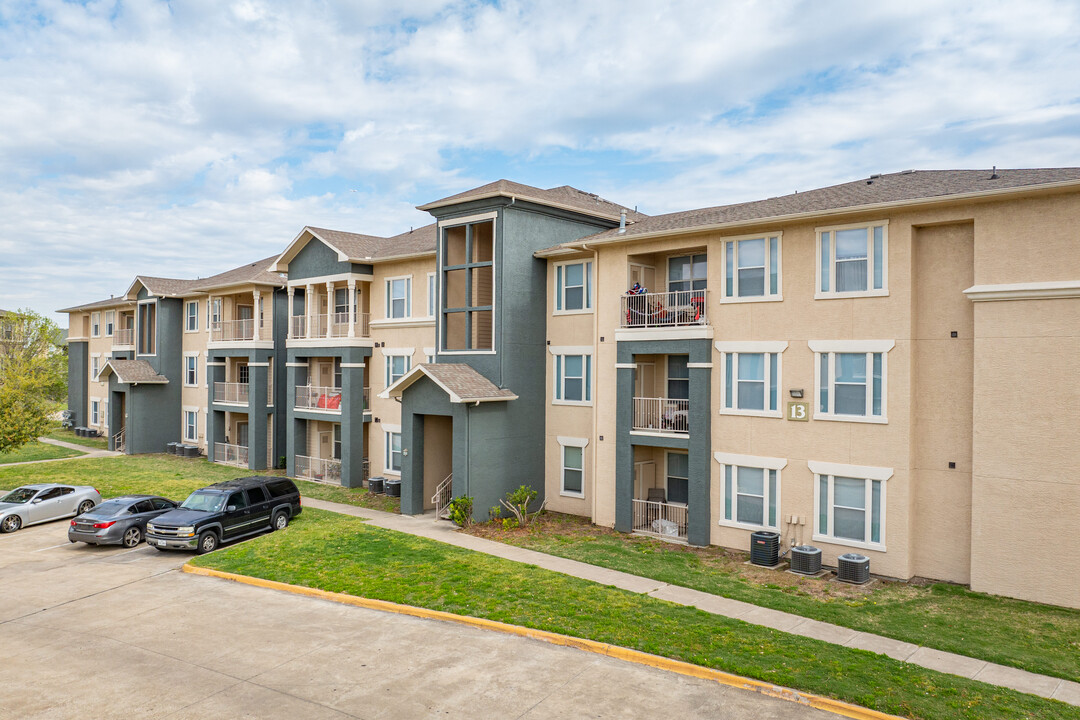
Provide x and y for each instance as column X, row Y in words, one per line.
column 256, row 273
column 133, row 371
column 562, row 196
column 371, row 248
column 166, row 287
column 462, row 382
column 908, row 186
column 111, row 302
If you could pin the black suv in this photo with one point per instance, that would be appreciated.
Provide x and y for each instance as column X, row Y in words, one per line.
column 226, row 511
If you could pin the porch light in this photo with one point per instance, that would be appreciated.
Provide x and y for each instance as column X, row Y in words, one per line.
column 796, row 392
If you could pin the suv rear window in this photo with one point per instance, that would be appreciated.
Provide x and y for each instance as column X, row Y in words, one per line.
column 256, row 494
column 278, row 488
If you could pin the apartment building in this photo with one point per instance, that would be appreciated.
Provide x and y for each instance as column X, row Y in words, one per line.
column 883, row 366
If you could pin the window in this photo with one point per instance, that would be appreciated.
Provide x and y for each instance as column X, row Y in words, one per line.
column 95, row 324
column 260, row 312
column 851, row 380
column 396, row 367
column 573, row 287
column 853, row 260
column 243, row 374
column 687, row 273
column 237, row 501
column 468, row 286
column 752, row 268
column 341, row 304
column 678, row 478
column 191, row 323
column 147, row 328
column 95, row 366
column 393, row 451
column 256, row 495
column 850, row 502
column 678, row 377
column 95, row 412
column 750, row 490
column 572, row 475
column 191, row 370
column 337, row 441
column 110, row 322
column 432, row 298
column 215, row 312
column 573, row 379
column 399, row 297
column 190, row 425
column 752, row 377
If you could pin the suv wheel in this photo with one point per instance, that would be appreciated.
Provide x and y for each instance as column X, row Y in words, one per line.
column 281, row 521
column 208, row 542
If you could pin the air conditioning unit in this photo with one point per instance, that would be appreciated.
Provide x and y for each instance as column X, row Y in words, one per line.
column 853, row 568
column 805, row 560
column 765, row 548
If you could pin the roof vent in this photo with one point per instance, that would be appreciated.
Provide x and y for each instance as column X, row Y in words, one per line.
column 875, row 176
column 993, row 174
column 906, row 172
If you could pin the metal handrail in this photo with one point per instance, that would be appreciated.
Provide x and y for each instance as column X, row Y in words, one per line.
column 443, row 496
column 662, row 415
column 666, row 309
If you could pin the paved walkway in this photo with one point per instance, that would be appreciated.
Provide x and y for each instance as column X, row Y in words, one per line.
column 87, row 452
column 442, row 531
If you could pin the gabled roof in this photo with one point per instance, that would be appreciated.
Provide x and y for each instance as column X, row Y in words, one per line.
column 893, row 189
column 132, row 372
column 357, row 248
column 460, row 381
column 111, row 302
column 160, row 287
column 564, row 196
column 256, row 273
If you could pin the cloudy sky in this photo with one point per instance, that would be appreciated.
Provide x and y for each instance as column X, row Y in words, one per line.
column 183, row 138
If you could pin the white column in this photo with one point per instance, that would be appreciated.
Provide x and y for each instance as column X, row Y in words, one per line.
column 309, row 301
column 329, row 309
column 257, row 319
column 352, row 308
column 289, row 313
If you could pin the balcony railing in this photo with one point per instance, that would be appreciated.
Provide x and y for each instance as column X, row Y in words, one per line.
column 662, row 415
column 325, row 470
column 231, row 454
column 332, row 325
column 123, row 337
column 232, row 330
column 666, row 309
column 231, row 393
column 664, row 520
column 314, row 397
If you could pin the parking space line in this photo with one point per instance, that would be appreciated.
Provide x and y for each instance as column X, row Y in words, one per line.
column 52, row 546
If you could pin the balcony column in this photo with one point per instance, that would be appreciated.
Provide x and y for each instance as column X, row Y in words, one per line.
column 624, row 451
column 215, row 421
column 256, row 321
column 257, row 422
column 329, row 309
column 295, row 430
column 309, row 302
column 289, row 314
column 352, row 308
column 698, row 515
column 352, row 419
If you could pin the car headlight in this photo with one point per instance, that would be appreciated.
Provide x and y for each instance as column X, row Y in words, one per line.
column 187, row 531
column 150, row 528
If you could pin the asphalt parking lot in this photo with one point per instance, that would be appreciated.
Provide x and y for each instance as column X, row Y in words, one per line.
column 109, row 632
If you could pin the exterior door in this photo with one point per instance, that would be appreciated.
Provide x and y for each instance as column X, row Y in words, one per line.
column 242, row 434
column 643, row 275
column 645, row 380
column 326, row 440
column 644, row 478
column 326, row 374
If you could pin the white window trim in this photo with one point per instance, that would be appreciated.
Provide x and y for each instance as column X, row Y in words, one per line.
column 390, row 355
column 860, row 472
column 767, row 347
column 565, row 442
column 183, row 422
column 192, row 354
column 751, row 461
column 681, row 254
column 186, row 304
column 590, row 283
column 95, row 324
column 408, row 297
column 95, row 401
column 870, row 291
column 767, row 297
column 433, row 295
column 389, row 430
column 94, row 371
column 588, row 384
column 857, row 347
column 138, row 332
column 108, row 331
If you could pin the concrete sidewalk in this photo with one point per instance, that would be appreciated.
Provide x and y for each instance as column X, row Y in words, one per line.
column 442, row 531
column 87, row 452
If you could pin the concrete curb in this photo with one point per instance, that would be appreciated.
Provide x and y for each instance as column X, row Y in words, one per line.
column 819, row 702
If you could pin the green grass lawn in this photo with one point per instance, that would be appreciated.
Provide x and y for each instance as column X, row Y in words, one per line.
column 36, row 451
column 1040, row 638
column 169, row 476
column 343, row 554
column 58, row 433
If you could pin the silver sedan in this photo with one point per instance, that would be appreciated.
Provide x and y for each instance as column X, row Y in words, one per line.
column 33, row 504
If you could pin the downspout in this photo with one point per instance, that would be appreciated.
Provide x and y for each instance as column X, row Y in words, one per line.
column 596, row 349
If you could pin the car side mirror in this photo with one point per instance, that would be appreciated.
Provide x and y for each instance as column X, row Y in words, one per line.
column 35, row 501
column 231, row 508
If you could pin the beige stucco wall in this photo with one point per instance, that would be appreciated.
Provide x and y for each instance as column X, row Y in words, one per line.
column 195, row 342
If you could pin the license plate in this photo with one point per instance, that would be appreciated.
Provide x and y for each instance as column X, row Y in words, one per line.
column 161, row 543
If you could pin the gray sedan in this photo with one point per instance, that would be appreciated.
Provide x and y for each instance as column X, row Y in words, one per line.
column 120, row 521
column 33, row 504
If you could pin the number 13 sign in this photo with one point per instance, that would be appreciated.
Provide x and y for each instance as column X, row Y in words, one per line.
column 798, row 411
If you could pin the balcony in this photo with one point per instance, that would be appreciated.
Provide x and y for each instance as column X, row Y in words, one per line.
column 331, row 325
column 327, row 470
column 314, row 397
column 679, row 308
column 231, row 393
column 666, row 521
column 668, row 416
column 232, row 330
column 123, row 338
column 236, row 455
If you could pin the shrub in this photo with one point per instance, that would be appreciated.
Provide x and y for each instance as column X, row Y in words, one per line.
column 494, row 512
column 518, row 501
column 509, row 523
column 460, row 509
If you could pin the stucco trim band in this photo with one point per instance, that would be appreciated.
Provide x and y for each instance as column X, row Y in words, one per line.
column 754, row 461
column 864, row 472
column 1053, row 290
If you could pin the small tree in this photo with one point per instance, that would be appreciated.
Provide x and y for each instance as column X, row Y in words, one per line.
column 518, row 501
column 33, row 373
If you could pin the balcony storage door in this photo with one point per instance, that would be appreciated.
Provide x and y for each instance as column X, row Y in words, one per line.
column 644, row 478
column 645, row 380
column 244, row 312
column 242, row 434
